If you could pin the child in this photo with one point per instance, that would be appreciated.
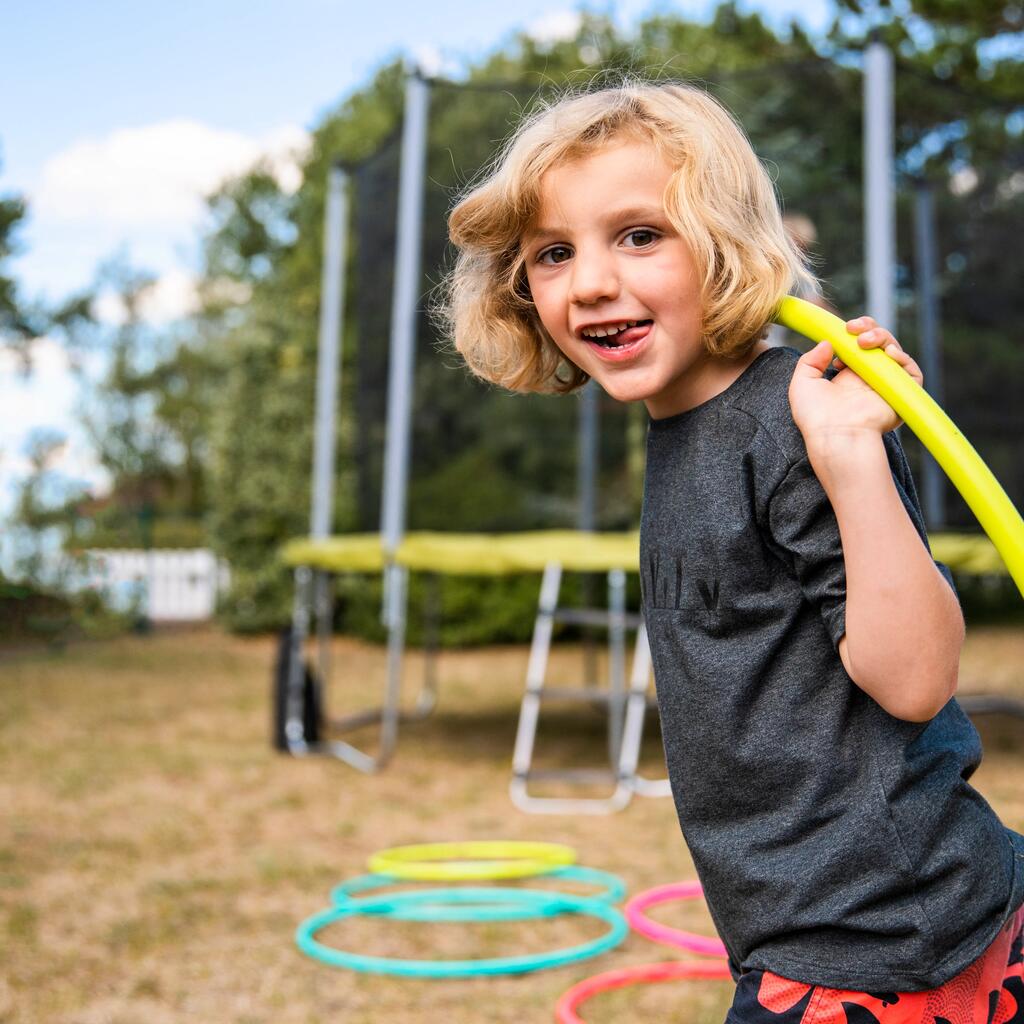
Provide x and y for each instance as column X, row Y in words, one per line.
column 805, row 644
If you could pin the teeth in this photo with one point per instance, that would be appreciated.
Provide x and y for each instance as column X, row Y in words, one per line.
column 609, row 330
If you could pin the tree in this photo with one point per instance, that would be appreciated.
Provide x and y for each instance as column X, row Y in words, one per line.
column 40, row 515
column 18, row 323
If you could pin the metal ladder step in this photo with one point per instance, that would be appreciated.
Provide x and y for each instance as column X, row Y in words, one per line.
column 575, row 775
column 603, row 618
column 577, row 695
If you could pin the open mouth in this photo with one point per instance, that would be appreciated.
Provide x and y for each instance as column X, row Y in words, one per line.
column 616, row 335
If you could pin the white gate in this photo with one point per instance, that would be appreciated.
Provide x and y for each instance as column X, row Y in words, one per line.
column 165, row 585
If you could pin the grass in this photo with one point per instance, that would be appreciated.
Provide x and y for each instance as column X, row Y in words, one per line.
column 156, row 855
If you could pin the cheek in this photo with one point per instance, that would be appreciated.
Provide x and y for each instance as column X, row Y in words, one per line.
column 670, row 282
column 546, row 302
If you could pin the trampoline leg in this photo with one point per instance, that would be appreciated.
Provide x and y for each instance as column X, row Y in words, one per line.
column 323, row 604
column 294, row 732
column 398, row 582
column 388, row 714
column 616, row 662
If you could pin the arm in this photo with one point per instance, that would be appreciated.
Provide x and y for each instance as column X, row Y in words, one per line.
column 904, row 628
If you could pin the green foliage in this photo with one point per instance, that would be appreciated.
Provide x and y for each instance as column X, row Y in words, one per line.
column 40, row 515
column 260, row 471
column 37, row 614
column 18, row 323
column 459, row 611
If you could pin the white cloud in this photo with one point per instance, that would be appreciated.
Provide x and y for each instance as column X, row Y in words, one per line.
column 154, row 177
column 555, row 27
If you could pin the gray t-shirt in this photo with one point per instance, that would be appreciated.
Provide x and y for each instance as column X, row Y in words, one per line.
column 837, row 845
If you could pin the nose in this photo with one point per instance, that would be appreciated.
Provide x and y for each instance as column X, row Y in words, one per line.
column 594, row 277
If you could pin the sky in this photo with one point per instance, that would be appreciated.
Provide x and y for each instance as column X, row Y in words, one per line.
column 116, row 117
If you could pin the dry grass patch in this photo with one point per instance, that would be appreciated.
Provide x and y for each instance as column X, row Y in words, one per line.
column 156, row 855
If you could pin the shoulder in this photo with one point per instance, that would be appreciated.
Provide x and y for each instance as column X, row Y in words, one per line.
column 764, row 404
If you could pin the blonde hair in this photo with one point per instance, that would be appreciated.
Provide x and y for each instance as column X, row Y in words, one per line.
column 720, row 199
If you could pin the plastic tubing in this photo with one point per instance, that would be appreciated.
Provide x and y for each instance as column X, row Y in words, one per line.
column 937, row 432
column 635, row 914
column 471, row 861
column 570, row 1002
column 473, row 904
column 551, row 902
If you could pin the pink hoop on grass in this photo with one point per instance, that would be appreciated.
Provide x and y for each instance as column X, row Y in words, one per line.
column 565, row 1009
column 639, row 922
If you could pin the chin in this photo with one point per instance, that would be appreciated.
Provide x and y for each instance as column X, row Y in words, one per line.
column 623, row 391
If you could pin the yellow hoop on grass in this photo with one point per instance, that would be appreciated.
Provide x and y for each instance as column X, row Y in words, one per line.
column 471, row 861
column 937, row 432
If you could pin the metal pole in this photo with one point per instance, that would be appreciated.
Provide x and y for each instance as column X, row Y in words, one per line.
column 328, row 381
column 404, row 309
column 879, row 192
column 400, row 389
column 586, row 507
column 929, row 331
column 586, row 474
column 328, row 369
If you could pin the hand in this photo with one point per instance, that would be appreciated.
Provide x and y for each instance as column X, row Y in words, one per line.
column 830, row 411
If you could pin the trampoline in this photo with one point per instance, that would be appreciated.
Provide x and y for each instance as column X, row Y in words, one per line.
column 547, row 553
column 395, row 553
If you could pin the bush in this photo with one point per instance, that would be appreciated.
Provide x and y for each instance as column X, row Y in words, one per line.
column 470, row 610
column 29, row 614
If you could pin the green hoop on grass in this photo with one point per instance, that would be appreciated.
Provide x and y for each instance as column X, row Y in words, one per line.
column 468, row 904
column 550, row 903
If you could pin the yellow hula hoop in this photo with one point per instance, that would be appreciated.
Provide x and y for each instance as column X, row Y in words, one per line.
column 937, row 432
column 433, row 862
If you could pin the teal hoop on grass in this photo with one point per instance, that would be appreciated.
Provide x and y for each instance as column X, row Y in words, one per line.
column 547, row 903
column 452, row 907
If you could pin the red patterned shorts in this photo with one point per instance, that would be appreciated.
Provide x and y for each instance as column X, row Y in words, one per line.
column 990, row 991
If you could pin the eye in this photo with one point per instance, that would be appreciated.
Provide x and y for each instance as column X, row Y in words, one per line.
column 555, row 254
column 638, row 238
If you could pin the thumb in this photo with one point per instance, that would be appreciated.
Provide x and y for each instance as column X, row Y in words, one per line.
column 813, row 364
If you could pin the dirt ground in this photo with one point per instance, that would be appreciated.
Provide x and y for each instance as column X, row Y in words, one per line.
column 156, row 855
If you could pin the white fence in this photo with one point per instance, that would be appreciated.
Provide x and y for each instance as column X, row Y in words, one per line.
column 167, row 586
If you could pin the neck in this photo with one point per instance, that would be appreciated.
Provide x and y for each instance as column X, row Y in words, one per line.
column 707, row 378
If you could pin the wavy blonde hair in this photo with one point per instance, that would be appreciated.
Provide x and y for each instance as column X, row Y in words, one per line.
column 720, row 199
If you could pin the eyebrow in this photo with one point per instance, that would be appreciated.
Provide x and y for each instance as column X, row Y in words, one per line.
column 628, row 214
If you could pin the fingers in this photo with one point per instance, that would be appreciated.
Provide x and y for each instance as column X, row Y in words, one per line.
column 870, row 335
column 908, row 364
column 815, row 362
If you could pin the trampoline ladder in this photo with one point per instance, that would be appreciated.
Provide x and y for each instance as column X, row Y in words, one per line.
column 626, row 707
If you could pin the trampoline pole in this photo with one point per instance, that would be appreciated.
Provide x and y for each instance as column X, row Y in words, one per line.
column 879, row 192
column 328, row 366
column 328, row 382
column 586, row 507
column 402, row 348
column 402, row 353
column 929, row 341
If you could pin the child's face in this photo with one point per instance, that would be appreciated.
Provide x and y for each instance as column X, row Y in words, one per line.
column 601, row 256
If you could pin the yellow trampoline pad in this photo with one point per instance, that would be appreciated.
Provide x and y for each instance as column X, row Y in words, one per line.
column 499, row 554
column 472, row 554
